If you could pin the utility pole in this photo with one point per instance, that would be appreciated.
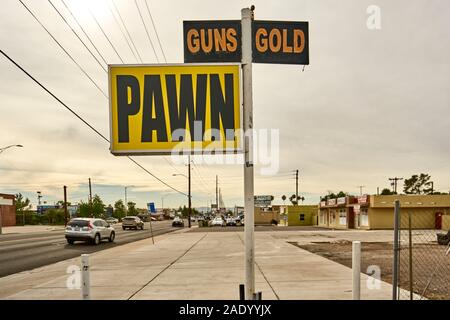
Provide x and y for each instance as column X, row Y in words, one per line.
column 90, row 197
column 360, row 189
column 189, row 192
column 394, row 182
column 65, row 206
column 217, row 193
column 90, row 191
column 247, row 16
column 296, row 186
column 126, row 203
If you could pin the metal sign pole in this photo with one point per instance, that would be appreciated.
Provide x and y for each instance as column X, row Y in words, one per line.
column 247, row 17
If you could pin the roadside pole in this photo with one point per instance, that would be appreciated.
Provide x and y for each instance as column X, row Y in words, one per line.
column 247, row 17
column 395, row 267
column 1, row 222
column 65, row 206
column 356, row 268
column 151, row 228
column 85, row 280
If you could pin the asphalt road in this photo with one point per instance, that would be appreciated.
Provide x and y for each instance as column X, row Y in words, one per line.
column 20, row 252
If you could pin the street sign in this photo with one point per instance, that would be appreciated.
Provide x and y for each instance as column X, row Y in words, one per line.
column 151, row 207
column 263, row 201
column 164, row 109
column 284, row 42
column 212, row 41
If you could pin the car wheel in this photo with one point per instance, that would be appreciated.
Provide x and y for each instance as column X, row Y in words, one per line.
column 69, row 241
column 112, row 236
column 123, row 228
column 142, row 227
column 96, row 239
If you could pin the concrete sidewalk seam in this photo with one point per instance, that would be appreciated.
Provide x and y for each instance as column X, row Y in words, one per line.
column 167, row 267
column 260, row 270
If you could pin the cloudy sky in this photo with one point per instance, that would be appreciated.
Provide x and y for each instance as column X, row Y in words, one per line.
column 372, row 104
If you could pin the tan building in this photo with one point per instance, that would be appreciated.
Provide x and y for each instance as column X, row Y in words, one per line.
column 377, row 212
column 7, row 210
column 266, row 216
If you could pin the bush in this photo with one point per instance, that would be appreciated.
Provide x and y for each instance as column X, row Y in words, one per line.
column 53, row 217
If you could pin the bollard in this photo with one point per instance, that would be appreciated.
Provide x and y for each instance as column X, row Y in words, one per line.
column 356, row 268
column 241, row 292
column 85, row 281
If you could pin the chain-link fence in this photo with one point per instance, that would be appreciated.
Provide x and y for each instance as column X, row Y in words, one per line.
column 424, row 257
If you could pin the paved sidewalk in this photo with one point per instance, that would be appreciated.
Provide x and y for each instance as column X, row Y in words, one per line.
column 193, row 265
column 30, row 229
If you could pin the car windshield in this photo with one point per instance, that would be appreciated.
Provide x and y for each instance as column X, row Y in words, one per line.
column 128, row 219
column 78, row 223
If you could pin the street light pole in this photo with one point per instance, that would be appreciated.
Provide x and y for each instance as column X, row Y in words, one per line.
column 189, row 192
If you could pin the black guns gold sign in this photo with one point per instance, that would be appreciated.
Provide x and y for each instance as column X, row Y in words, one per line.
column 284, row 42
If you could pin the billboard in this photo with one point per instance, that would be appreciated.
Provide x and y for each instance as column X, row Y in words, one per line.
column 151, row 207
column 281, row 42
column 165, row 109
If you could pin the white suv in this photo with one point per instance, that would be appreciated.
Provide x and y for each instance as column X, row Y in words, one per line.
column 89, row 229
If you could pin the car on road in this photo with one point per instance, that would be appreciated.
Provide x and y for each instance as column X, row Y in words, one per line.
column 132, row 222
column 89, row 230
column 217, row 222
column 112, row 220
column 177, row 222
column 230, row 221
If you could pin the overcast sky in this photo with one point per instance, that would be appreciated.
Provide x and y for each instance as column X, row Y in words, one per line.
column 372, row 104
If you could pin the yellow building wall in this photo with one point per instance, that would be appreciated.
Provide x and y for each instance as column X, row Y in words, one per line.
column 411, row 201
column 294, row 213
column 446, row 222
column 266, row 217
column 421, row 218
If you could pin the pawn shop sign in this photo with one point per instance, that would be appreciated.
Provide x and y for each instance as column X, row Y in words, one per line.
column 168, row 109
column 284, row 42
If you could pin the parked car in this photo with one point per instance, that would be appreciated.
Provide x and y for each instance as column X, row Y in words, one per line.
column 217, row 222
column 89, row 230
column 132, row 222
column 230, row 221
column 177, row 222
column 112, row 220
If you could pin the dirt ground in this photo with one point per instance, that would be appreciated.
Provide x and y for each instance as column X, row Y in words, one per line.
column 381, row 254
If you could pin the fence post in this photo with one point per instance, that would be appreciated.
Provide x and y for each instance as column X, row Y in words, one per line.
column 356, row 267
column 411, row 284
column 396, row 251
column 85, row 281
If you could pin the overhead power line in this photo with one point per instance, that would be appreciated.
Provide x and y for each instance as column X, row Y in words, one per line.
column 123, row 33
column 84, row 32
column 84, row 121
column 146, row 30
column 65, row 51
column 104, row 34
column 76, row 34
column 156, row 31
column 126, row 30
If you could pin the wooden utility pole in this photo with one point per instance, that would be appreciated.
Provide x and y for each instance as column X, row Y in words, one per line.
column 394, row 181
column 65, row 206
column 189, row 192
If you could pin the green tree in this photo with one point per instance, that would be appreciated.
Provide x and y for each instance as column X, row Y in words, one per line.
column 418, row 184
column 21, row 203
column 131, row 208
column 119, row 209
column 387, row 192
column 98, row 207
column 84, row 210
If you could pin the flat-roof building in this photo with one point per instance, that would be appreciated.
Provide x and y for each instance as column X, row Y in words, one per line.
column 377, row 211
